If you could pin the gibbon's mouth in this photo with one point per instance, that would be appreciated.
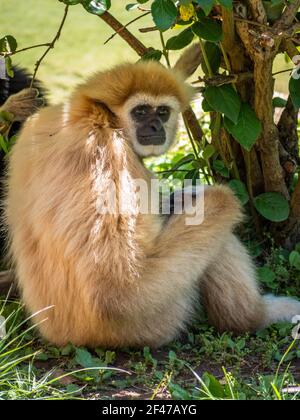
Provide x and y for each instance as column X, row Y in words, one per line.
column 152, row 140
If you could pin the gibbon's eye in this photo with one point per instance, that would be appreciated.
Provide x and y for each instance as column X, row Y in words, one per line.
column 164, row 113
column 141, row 111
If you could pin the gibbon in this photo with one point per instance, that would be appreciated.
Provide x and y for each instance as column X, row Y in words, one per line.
column 122, row 279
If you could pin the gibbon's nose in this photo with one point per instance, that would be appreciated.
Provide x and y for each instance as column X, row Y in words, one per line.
column 151, row 133
column 155, row 125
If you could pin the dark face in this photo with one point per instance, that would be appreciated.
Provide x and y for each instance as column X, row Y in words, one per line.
column 149, row 123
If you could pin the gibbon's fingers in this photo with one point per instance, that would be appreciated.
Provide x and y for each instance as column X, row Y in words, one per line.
column 23, row 104
column 189, row 61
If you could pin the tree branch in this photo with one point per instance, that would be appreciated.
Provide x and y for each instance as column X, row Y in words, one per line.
column 258, row 11
column 124, row 33
column 288, row 16
column 126, row 26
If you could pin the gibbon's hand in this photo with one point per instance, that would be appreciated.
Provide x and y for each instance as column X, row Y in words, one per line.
column 23, row 104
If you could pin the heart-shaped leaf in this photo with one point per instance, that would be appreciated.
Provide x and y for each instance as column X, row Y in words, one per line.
column 164, row 13
column 272, row 206
column 224, row 99
column 180, row 41
column 96, row 7
column 294, row 88
column 247, row 129
column 208, row 29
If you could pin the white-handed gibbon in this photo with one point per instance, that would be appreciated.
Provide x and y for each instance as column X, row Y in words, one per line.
column 122, row 279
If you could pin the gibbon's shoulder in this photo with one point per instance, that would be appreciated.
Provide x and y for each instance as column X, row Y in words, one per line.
column 115, row 86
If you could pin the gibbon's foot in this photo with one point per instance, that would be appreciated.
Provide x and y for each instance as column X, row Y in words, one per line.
column 23, row 104
column 280, row 309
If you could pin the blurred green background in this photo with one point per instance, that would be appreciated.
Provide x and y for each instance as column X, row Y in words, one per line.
column 81, row 49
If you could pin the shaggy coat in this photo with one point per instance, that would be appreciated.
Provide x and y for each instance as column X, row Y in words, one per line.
column 123, row 279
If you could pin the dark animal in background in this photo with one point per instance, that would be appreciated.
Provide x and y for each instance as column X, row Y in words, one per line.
column 17, row 98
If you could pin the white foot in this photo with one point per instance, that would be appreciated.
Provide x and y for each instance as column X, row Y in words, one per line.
column 280, row 309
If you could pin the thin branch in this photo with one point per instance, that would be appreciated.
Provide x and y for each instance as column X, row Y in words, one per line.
column 124, row 33
column 290, row 49
column 146, row 30
column 126, row 26
column 47, row 44
column 283, row 71
column 220, row 80
column 251, row 22
column 288, row 15
column 51, row 45
column 165, row 51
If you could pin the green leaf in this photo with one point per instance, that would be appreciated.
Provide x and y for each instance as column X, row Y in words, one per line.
column 228, row 4
column 96, row 7
column 272, row 206
column 208, row 29
column 8, row 44
column 267, row 276
column 164, row 13
column 208, row 152
column 9, row 67
column 294, row 260
column 294, row 88
column 3, row 144
column 206, row 5
column 206, row 107
column 219, row 167
column 152, row 55
column 180, row 41
column 213, row 385
column 213, row 53
column 247, row 129
column 274, row 9
column 131, row 6
column 186, row 159
column 225, row 100
column 279, row 102
column 83, row 358
column 240, row 190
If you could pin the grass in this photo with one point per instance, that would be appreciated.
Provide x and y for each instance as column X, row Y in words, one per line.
column 201, row 364
column 258, row 367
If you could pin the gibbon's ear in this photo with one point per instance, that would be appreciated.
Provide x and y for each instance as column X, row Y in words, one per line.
column 107, row 115
column 189, row 61
column 94, row 110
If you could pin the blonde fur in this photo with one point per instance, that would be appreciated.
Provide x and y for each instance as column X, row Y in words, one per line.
column 122, row 279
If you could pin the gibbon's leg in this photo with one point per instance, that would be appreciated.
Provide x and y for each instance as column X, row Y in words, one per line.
column 169, row 282
column 232, row 297
column 230, row 291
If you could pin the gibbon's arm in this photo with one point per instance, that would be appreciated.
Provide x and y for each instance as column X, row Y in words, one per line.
column 23, row 104
column 189, row 61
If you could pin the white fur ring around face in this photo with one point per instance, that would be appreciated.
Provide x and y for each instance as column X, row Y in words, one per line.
column 2, row 327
